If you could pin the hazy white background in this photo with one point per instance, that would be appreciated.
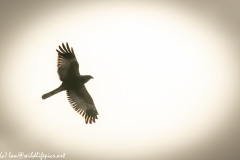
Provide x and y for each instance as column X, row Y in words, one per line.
column 166, row 79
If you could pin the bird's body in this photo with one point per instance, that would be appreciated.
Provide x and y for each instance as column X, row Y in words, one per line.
column 73, row 83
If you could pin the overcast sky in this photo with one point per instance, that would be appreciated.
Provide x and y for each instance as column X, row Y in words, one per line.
column 166, row 79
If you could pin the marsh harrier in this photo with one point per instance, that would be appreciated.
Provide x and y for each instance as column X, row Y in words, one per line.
column 73, row 82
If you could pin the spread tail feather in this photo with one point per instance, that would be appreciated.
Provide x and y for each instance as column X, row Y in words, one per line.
column 53, row 92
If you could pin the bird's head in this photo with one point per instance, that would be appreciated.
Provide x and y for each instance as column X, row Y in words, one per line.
column 87, row 78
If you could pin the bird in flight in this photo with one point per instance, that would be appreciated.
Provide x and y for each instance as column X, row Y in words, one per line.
column 73, row 82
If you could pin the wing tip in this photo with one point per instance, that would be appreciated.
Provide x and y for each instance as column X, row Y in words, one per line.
column 90, row 119
column 65, row 49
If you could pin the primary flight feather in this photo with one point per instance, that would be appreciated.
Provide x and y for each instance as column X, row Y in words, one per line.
column 73, row 82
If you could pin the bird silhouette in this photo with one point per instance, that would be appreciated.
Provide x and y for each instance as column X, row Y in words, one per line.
column 73, row 82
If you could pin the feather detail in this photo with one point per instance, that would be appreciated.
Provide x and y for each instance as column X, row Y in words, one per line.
column 82, row 103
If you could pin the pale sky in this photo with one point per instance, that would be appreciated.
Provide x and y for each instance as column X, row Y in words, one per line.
column 166, row 79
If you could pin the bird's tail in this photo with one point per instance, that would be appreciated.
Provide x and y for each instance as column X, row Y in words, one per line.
column 55, row 91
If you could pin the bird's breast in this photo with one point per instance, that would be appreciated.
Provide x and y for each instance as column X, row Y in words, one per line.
column 70, row 83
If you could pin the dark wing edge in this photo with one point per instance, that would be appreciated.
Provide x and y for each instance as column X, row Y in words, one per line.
column 67, row 64
column 82, row 102
column 64, row 53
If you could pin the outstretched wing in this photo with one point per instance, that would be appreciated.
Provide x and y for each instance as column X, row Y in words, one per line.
column 68, row 67
column 82, row 102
